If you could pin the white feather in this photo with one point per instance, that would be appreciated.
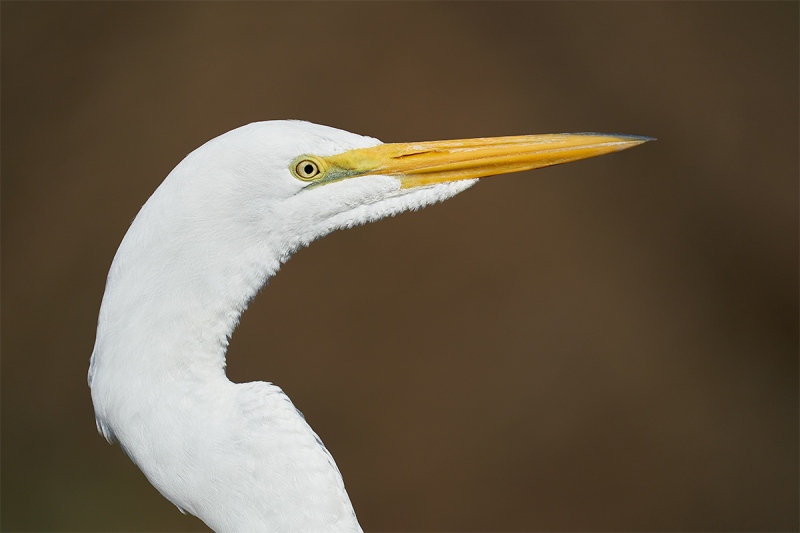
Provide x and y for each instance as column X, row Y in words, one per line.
column 238, row 456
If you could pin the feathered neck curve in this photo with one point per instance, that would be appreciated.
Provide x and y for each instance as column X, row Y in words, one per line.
column 216, row 229
column 239, row 457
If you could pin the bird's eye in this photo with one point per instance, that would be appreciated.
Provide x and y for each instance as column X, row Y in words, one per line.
column 306, row 169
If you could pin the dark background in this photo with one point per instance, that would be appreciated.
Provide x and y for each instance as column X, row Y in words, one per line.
column 606, row 345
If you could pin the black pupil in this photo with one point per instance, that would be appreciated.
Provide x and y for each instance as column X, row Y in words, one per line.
column 309, row 168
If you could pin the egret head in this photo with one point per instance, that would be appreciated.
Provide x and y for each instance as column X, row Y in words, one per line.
column 305, row 180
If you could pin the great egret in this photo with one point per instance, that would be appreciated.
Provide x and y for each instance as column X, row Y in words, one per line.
column 239, row 455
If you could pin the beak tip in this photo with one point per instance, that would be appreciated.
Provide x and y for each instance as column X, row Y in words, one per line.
column 637, row 139
column 624, row 137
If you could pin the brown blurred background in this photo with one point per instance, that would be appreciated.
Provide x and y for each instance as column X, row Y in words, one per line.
column 606, row 345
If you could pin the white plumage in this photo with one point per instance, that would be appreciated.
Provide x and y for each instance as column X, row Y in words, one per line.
column 240, row 456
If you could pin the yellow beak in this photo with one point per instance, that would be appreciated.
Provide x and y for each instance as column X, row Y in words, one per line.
column 424, row 163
